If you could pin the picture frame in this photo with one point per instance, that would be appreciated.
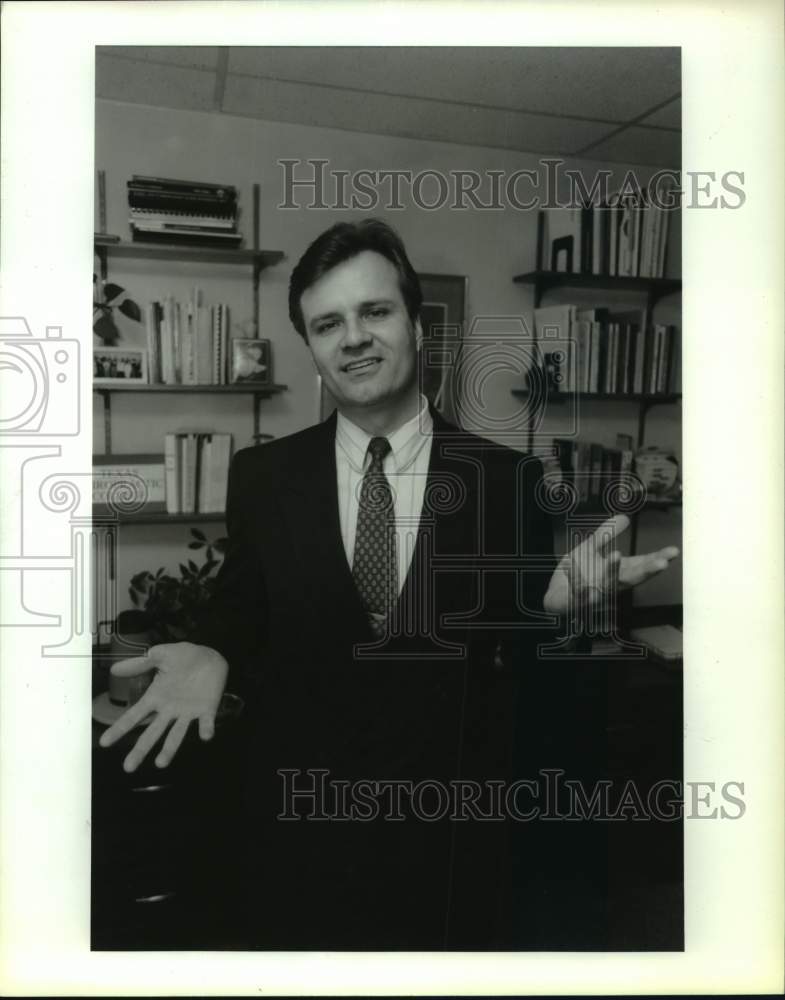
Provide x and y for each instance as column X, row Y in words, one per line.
column 119, row 366
column 442, row 316
column 251, row 361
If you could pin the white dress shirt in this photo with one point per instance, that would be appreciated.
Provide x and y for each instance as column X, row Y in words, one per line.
column 406, row 469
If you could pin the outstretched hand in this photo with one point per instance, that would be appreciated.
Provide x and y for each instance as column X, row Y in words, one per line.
column 594, row 569
column 187, row 686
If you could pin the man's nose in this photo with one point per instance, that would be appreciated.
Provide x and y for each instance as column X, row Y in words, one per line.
column 355, row 333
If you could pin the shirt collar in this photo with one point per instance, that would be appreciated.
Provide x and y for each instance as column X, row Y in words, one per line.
column 405, row 443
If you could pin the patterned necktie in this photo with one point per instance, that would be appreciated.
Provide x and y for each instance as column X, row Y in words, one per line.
column 375, row 566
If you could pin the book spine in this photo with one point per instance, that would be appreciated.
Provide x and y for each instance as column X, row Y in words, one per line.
column 654, row 246
column 594, row 371
column 596, row 250
column 224, row 344
column 189, row 472
column 663, row 244
column 198, row 495
column 221, row 470
column 637, row 214
column 149, row 315
column 173, row 184
column 171, row 462
column 217, row 238
column 216, row 340
column 176, row 226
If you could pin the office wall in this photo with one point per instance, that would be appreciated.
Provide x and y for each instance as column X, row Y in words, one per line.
column 488, row 247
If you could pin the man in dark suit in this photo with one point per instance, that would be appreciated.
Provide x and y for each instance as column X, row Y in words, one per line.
column 387, row 581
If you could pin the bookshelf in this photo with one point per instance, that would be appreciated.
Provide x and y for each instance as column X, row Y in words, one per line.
column 108, row 247
column 543, row 281
column 156, row 516
column 257, row 392
column 653, row 289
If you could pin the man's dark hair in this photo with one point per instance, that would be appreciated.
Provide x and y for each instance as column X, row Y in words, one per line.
column 341, row 242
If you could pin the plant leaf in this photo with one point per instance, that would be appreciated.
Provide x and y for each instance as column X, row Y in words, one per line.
column 220, row 545
column 199, row 534
column 105, row 328
column 196, row 545
column 130, row 309
column 192, row 566
column 111, row 291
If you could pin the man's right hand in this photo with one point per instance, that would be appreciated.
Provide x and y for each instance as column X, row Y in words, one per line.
column 187, row 686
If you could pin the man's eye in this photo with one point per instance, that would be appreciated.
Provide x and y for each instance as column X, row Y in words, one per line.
column 326, row 326
column 378, row 312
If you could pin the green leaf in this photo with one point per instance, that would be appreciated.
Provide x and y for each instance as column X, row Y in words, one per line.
column 111, row 291
column 199, row 534
column 192, row 566
column 196, row 545
column 130, row 309
column 105, row 328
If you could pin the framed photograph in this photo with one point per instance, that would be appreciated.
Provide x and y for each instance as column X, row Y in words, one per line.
column 112, row 365
column 251, row 361
column 442, row 316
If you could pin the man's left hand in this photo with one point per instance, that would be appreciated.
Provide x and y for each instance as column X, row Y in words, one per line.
column 594, row 570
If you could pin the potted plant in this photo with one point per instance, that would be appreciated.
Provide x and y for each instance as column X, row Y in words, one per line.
column 166, row 607
column 105, row 296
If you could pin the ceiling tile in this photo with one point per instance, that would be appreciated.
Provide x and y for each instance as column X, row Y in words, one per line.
column 381, row 114
column 195, row 56
column 607, row 83
column 667, row 117
column 653, row 147
column 148, row 83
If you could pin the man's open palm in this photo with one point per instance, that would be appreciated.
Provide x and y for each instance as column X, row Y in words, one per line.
column 187, row 686
column 594, row 570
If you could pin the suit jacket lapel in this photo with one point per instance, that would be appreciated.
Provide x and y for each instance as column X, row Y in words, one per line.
column 447, row 528
column 310, row 507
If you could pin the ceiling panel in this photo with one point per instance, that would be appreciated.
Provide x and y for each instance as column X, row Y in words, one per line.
column 547, row 101
column 611, row 84
column 195, row 56
column 148, row 83
column 653, row 147
column 667, row 117
column 381, row 114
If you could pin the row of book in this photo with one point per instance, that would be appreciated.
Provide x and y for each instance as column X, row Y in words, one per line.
column 596, row 351
column 590, row 467
column 625, row 237
column 187, row 342
column 196, row 471
column 197, row 213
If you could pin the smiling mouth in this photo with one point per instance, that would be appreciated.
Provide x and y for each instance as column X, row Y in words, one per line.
column 363, row 365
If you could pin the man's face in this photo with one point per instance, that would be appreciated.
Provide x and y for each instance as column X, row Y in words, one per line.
column 363, row 343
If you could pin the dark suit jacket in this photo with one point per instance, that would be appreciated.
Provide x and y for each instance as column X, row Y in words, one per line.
column 435, row 701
